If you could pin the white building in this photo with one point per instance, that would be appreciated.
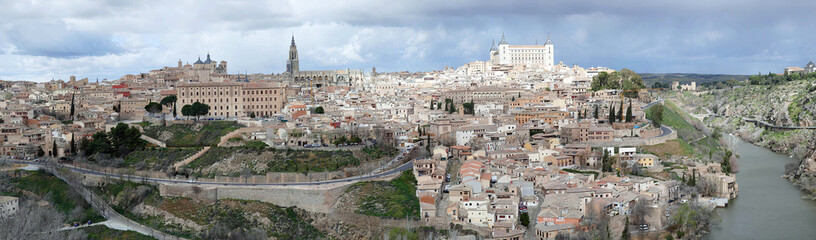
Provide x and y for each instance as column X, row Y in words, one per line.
column 507, row 54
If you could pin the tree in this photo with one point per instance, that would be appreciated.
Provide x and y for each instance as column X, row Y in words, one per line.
column 432, row 105
column 319, row 110
column 72, row 106
column 446, row 106
column 656, row 115
column 524, row 218
column 452, row 108
column 726, row 163
column 620, row 112
column 625, row 234
column 73, row 146
column 438, row 105
column 40, row 152
column 153, row 107
column 251, row 114
column 629, row 116
column 596, row 112
column 170, row 100
column 187, row 111
column 611, row 115
column 693, row 180
column 54, row 149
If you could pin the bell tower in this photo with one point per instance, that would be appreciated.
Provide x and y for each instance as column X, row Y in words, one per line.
column 292, row 65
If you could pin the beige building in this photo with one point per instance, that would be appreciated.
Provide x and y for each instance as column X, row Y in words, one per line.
column 233, row 99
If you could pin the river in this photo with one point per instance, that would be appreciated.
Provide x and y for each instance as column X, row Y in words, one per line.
column 768, row 206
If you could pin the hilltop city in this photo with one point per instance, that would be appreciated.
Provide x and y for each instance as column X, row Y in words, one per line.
column 512, row 146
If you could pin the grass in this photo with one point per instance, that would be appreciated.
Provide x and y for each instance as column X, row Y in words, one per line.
column 392, row 199
column 691, row 142
column 157, row 158
column 144, row 124
column 183, row 135
column 100, row 232
column 676, row 147
column 62, row 196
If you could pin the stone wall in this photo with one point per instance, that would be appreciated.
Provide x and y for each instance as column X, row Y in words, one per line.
column 310, row 198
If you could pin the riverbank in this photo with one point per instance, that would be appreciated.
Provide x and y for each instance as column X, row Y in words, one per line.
column 764, row 196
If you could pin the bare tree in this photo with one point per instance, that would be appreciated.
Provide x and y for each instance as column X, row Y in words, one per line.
column 32, row 221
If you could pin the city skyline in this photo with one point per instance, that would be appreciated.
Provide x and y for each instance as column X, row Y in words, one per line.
column 55, row 40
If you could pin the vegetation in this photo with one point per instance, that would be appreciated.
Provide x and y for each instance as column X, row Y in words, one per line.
column 153, row 107
column 119, row 142
column 775, row 79
column 290, row 160
column 676, row 147
column 379, row 151
column 65, row 200
column 195, row 110
column 170, row 100
column 319, row 110
column 688, row 130
column 101, row 232
column 192, row 135
column 393, row 199
column 157, row 158
column 664, row 80
column 624, row 79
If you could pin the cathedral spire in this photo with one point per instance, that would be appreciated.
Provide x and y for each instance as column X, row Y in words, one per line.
column 548, row 40
column 503, row 40
column 293, row 39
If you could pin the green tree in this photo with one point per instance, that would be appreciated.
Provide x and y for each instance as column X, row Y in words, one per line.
column 439, row 105
column 629, row 117
column 170, row 100
column 72, row 106
column 252, row 115
column 73, row 146
column 319, row 110
column 657, row 115
column 524, row 218
column 54, row 149
column 432, row 104
column 596, row 112
column 199, row 109
column 625, row 233
column 726, row 163
column 620, row 112
column 153, row 107
column 611, row 114
column 187, row 111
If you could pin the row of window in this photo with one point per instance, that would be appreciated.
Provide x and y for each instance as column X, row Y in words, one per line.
column 221, row 93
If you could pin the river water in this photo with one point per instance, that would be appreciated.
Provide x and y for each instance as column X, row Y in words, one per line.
column 768, row 206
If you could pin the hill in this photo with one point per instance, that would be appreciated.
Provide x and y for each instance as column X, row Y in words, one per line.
column 651, row 78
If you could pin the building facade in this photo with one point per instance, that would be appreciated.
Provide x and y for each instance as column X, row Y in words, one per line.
column 233, row 99
column 506, row 54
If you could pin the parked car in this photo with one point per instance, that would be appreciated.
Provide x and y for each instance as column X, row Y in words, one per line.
column 191, row 180
column 447, row 188
column 644, row 227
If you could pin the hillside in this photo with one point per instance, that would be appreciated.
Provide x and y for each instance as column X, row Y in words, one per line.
column 786, row 104
column 651, row 78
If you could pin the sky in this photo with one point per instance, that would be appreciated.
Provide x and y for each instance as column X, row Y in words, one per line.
column 44, row 40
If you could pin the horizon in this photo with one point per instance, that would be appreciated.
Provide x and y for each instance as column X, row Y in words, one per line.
column 44, row 41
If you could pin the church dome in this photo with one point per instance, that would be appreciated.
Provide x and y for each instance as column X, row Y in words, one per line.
column 198, row 61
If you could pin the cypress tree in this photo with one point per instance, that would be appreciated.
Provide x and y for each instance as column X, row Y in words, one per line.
column 596, row 111
column 54, row 149
column 629, row 116
column 432, row 105
column 625, row 234
column 620, row 112
column 611, row 114
column 72, row 106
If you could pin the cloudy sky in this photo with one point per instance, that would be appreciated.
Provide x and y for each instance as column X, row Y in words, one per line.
column 41, row 40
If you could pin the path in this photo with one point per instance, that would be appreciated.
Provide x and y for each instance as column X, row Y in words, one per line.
column 191, row 158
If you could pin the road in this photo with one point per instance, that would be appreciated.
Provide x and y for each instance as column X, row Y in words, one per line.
column 403, row 167
column 652, row 103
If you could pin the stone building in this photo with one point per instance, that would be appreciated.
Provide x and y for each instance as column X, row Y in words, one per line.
column 506, row 54
column 319, row 78
column 233, row 99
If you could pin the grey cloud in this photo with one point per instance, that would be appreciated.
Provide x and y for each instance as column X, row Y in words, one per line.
column 54, row 39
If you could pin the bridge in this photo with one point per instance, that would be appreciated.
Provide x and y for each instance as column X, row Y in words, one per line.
column 770, row 126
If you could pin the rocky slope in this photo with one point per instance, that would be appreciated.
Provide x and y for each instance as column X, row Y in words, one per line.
column 790, row 104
